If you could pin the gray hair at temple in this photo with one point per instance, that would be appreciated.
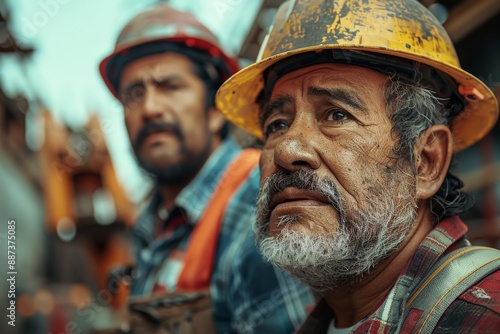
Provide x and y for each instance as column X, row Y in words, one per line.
column 412, row 109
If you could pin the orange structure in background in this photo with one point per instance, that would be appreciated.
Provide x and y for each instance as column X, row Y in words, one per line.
column 84, row 199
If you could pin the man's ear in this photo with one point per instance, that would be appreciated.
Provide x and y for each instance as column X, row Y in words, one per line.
column 433, row 151
column 215, row 120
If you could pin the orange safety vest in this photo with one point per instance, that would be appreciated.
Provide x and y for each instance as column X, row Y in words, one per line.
column 200, row 254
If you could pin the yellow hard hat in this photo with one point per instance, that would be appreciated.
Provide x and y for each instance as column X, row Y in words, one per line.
column 401, row 29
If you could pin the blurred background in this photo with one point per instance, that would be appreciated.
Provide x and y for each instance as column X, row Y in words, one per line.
column 67, row 173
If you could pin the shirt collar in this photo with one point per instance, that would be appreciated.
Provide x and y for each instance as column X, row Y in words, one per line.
column 195, row 196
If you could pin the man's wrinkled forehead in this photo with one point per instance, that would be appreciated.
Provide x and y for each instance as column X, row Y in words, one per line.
column 311, row 78
column 407, row 70
column 330, row 81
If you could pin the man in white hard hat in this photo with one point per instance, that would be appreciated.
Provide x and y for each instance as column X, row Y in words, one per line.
column 165, row 70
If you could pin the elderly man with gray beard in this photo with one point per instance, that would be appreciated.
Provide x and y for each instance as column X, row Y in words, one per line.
column 361, row 106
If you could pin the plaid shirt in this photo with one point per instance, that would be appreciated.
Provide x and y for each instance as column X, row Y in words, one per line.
column 252, row 296
column 477, row 310
column 243, row 285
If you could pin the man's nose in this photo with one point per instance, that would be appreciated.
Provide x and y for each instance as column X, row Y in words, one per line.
column 153, row 104
column 297, row 148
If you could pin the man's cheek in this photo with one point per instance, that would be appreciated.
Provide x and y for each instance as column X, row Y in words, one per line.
column 266, row 164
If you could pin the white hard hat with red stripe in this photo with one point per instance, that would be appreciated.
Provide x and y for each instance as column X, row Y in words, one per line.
column 163, row 23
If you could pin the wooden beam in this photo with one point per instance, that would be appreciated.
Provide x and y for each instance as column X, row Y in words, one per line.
column 251, row 45
column 246, row 51
column 468, row 16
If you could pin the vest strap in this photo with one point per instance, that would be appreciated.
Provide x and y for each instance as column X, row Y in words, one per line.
column 200, row 254
column 453, row 275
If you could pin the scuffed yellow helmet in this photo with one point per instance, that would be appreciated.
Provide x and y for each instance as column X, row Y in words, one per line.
column 396, row 28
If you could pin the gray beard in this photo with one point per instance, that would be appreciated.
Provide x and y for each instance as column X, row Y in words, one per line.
column 361, row 241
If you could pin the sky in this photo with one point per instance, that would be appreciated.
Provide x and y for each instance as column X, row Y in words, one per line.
column 70, row 38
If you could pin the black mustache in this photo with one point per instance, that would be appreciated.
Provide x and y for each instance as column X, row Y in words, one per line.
column 150, row 128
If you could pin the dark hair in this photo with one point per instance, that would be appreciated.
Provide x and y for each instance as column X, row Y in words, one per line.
column 205, row 70
column 413, row 108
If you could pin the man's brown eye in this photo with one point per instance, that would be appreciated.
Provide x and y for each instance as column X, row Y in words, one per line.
column 274, row 127
column 337, row 115
column 132, row 96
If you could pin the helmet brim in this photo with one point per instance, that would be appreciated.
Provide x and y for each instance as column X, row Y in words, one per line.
column 110, row 72
column 237, row 97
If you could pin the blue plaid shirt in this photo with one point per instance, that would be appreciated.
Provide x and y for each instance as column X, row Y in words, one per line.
column 249, row 295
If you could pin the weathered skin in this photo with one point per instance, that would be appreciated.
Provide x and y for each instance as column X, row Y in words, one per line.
column 394, row 27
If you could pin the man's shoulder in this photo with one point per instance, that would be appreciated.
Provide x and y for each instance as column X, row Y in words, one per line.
column 477, row 310
column 485, row 293
column 249, row 189
column 244, row 197
column 459, row 294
